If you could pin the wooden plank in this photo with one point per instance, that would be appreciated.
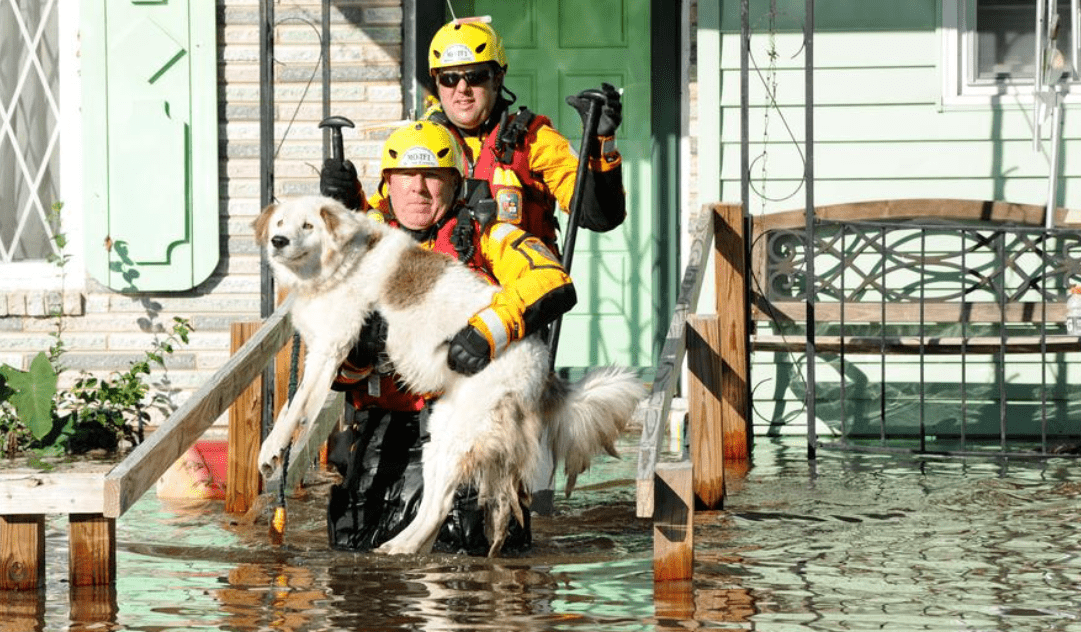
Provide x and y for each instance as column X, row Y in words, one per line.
column 308, row 445
column 906, row 345
column 704, row 387
column 731, row 282
column 673, row 522
column 130, row 479
column 243, row 482
column 927, row 208
column 29, row 491
column 92, row 550
column 910, row 312
column 22, row 552
column 653, row 413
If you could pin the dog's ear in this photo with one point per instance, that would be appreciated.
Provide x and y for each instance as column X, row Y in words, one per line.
column 261, row 224
column 341, row 223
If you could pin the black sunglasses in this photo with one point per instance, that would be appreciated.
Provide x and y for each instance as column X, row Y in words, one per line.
column 473, row 78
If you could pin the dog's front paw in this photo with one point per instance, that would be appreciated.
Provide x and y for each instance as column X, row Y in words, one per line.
column 270, row 456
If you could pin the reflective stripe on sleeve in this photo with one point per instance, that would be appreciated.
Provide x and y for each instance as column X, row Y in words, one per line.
column 498, row 329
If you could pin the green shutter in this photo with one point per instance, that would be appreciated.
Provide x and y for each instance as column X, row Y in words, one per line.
column 150, row 142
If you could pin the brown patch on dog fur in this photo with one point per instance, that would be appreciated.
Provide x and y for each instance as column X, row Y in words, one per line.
column 331, row 220
column 417, row 272
column 261, row 224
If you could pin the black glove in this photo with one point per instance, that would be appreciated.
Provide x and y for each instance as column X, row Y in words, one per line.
column 469, row 351
column 611, row 107
column 339, row 181
column 371, row 342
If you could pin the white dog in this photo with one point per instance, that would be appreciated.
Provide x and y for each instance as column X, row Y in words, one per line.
column 485, row 428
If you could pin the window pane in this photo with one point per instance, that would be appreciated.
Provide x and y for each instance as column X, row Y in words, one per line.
column 29, row 119
column 1006, row 38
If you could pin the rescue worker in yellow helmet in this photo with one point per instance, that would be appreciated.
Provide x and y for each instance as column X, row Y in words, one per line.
column 379, row 458
column 529, row 165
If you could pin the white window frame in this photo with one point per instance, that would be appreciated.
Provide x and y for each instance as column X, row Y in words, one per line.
column 42, row 275
column 958, row 47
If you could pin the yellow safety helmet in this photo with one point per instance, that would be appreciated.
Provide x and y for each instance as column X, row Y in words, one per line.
column 465, row 41
column 423, row 145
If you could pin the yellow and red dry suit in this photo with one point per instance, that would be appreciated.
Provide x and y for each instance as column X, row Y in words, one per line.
column 535, row 290
column 530, row 167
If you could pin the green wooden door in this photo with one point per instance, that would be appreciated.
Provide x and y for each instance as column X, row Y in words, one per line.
column 556, row 48
column 150, row 142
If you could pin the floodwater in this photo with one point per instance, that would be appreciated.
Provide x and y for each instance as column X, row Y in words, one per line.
column 852, row 541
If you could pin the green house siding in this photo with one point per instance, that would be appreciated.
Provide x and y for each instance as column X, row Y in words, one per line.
column 150, row 143
column 883, row 129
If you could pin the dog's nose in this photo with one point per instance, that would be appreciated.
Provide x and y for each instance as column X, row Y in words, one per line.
column 279, row 242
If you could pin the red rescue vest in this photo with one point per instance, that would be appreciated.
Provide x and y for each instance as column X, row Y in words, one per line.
column 527, row 203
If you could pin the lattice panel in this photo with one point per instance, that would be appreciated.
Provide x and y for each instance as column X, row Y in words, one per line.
column 29, row 128
column 870, row 262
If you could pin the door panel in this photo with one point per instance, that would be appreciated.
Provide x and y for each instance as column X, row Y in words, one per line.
column 556, row 48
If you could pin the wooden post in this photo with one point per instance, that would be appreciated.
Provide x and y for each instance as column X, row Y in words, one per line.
column 731, row 274
column 704, row 407
column 22, row 552
column 673, row 604
column 673, row 522
column 22, row 609
column 92, row 606
column 243, row 483
column 92, row 550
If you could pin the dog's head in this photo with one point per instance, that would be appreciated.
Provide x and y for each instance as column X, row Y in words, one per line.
column 304, row 237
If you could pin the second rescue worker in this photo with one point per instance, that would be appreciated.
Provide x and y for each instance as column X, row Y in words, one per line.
column 529, row 165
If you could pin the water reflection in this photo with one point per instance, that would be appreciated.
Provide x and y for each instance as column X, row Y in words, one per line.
column 855, row 541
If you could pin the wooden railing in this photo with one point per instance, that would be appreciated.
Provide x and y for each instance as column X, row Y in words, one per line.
column 95, row 496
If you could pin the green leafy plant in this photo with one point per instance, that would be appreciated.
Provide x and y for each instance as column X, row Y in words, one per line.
column 95, row 413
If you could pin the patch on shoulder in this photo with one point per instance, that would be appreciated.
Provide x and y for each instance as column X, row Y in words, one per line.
column 416, row 274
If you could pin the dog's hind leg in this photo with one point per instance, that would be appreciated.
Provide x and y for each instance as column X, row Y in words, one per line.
column 442, row 476
column 419, row 536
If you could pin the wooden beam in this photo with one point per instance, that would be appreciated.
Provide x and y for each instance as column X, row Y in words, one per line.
column 130, row 479
column 910, row 345
column 730, row 247
column 22, row 552
column 904, row 209
column 92, row 550
column 910, row 312
column 243, row 482
column 704, row 408
column 26, row 490
column 654, row 412
column 673, row 522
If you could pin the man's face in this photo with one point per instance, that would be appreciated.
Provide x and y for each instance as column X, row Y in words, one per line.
column 421, row 197
column 470, row 95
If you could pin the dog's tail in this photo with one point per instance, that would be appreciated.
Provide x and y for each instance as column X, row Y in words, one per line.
column 588, row 416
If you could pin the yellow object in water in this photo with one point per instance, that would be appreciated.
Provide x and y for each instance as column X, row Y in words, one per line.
column 277, row 526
